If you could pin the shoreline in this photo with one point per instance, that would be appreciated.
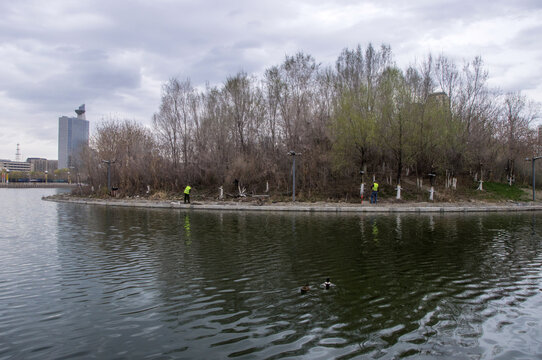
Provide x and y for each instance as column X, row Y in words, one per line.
column 36, row 185
column 307, row 208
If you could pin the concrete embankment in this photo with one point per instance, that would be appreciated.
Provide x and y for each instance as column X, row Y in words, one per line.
column 36, row 185
column 308, row 207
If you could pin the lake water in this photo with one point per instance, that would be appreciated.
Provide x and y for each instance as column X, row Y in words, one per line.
column 79, row 281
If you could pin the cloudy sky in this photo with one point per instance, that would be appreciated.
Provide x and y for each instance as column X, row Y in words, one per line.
column 114, row 55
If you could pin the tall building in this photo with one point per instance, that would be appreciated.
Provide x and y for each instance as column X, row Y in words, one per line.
column 72, row 136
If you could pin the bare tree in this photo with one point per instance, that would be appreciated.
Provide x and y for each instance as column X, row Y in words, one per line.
column 298, row 74
column 176, row 119
column 397, row 112
column 273, row 87
column 517, row 115
column 132, row 151
column 240, row 102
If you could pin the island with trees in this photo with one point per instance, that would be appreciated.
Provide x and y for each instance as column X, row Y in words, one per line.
column 360, row 119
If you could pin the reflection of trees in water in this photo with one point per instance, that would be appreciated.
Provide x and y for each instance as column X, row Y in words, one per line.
column 419, row 274
column 106, row 241
column 439, row 264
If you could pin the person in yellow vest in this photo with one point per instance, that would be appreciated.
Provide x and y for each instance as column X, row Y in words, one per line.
column 187, row 194
column 374, row 193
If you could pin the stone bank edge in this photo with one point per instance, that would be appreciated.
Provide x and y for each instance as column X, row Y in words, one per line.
column 307, row 208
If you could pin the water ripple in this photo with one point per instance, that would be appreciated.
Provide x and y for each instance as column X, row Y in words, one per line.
column 100, row 282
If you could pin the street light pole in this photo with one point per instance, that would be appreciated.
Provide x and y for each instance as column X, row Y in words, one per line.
column 362, row 186
column 108, row 162
column 293, row 154
column 533, row 159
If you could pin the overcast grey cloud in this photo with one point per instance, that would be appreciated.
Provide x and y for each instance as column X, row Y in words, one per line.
column 115, row 55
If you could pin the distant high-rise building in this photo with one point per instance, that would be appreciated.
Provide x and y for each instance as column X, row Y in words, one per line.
column 18, row 153
column 72, row 136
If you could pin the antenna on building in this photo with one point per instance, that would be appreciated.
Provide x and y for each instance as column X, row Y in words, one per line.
column 18, row 153
column 81, row 112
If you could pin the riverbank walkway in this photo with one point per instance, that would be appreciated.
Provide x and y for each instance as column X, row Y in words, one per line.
column 390, row 207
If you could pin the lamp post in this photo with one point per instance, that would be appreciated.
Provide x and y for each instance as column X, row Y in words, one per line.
column 293, row 154
column 362, row 186
column 108, row 162
column 70, row 170
column 533, row 159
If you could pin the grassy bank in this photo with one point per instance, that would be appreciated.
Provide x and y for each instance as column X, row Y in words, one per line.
column 466, row 192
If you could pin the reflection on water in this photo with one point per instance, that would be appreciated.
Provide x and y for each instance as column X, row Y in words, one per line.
column 187, row 229
column 84, row 281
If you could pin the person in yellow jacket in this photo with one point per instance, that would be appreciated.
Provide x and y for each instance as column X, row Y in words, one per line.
column 374, row 193
column 187, row 194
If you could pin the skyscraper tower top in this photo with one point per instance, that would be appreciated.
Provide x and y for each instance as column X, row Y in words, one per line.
column 81, row 112
column 18, row 153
